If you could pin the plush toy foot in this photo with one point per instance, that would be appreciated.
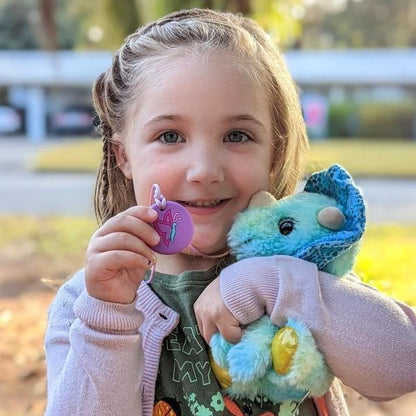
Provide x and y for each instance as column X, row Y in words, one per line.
column 297, row 361
column 220, row 373
column 250, row 358
column 284, row 346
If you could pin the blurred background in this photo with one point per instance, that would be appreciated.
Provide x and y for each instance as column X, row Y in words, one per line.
column 354, row 62
column 352, row 59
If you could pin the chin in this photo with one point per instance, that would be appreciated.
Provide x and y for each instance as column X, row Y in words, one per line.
column 209, row 238
column 207, row 249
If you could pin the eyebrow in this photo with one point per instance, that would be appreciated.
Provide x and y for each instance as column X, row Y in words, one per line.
column 176, row 117
column 163, row 117
column 247, row 117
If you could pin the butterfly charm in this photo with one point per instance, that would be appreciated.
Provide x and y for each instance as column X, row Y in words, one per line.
column 174, row 226
column 167, row 226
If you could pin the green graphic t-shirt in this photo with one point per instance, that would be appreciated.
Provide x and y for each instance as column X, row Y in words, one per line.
column 186, row 385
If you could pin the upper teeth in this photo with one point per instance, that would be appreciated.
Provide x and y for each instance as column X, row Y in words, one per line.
column 203, row 203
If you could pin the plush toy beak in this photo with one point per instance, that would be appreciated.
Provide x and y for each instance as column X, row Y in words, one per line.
column 331, row 218
column 261, row 199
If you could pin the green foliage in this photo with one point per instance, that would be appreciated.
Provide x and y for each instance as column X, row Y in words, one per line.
column 369, row 23
column 278, row 19
column 119, row 18
column 342, row 120
column 16, row 27
column 387, row 119
column 360, row 24
column 375, row 120
column 124, row 17
column 20, row 24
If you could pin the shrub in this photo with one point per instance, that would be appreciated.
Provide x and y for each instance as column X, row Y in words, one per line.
column 387, row 119
column 342, row 120
column 372, row 120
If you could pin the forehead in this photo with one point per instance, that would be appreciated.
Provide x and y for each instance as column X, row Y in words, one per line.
column 184, row 78
column 237, row 60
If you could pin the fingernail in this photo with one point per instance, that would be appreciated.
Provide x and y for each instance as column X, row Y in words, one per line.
column 151, row 212
column 155, row 238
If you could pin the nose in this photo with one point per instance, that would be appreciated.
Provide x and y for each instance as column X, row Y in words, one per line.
column 205, row 165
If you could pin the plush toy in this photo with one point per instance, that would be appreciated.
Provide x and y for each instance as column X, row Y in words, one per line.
column 323, row 224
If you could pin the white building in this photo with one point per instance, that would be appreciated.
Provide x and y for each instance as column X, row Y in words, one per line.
column 41, row 83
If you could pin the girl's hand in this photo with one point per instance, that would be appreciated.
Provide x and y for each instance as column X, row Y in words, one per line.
column 118, row 255
column 213, row 316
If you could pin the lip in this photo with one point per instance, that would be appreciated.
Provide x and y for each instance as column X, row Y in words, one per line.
column 204, row 210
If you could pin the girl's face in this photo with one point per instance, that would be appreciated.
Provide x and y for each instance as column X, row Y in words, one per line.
column 202, row 132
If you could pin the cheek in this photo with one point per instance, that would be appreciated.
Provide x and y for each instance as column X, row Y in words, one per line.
column 143, row 179
column 166, row 175
column 255, row 177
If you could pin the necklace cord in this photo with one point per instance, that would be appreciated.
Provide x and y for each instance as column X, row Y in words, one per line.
column 159, row 199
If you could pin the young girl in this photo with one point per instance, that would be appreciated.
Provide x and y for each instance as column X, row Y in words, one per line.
column 201, row 103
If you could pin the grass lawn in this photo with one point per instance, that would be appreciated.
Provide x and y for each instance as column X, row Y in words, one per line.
column 79, row 155
column 361, row 157
column 366, row 157
column 387, row 260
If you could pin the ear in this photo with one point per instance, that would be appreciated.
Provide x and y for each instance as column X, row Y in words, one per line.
column 121, row 157
column 262, row 199
column 331, row 218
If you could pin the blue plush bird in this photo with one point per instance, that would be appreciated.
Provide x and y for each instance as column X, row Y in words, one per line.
column 323, row 224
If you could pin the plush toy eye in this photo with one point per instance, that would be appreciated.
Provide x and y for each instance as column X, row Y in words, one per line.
column 286, row 226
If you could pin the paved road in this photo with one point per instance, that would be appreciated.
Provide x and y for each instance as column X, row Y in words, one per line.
column 24, row 192
column 45, row 194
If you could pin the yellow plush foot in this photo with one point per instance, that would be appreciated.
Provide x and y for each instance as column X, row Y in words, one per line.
column 224, row 379
column 284, row 346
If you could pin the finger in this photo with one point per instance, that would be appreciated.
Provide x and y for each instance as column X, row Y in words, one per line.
column 207, row 331
column 125, row 242
column 142, row 212
column 199, row 316
column 200, row 326
column 112, row 261
column 231, row 331
column 132, row 225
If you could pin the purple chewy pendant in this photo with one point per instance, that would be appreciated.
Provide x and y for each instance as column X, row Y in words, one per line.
column 174, row 225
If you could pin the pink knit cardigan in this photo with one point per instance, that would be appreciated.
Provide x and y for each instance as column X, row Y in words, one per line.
column 103, row 358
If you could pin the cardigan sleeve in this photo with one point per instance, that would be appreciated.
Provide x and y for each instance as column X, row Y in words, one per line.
column 94, row 355
column 368, row 339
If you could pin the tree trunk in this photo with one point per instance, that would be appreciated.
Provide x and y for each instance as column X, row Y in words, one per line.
column 48, row 34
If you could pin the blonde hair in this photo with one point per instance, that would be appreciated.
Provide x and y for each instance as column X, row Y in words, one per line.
column 204, row 31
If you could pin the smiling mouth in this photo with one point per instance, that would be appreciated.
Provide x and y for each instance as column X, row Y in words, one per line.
column 203, row 203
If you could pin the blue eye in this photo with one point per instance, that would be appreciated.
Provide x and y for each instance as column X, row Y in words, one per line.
column 170, row 137
column 237, row 137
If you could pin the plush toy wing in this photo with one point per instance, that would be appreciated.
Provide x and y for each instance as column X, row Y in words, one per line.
column 336, row 183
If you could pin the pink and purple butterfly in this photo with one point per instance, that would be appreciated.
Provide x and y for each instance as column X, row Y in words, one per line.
column 167, row 226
